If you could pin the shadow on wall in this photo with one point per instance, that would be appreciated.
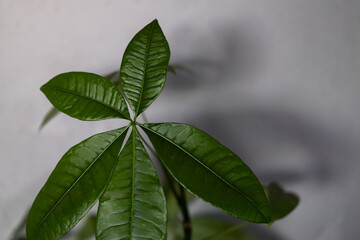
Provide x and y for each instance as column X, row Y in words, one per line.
column 279, row 144
column 229, row 51
column 289, row 148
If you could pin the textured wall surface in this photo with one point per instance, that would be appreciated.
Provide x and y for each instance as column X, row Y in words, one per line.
column 276, row 81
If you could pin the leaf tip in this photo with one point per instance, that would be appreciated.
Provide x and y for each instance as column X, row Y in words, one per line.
column 42, row 88
column 155, row 22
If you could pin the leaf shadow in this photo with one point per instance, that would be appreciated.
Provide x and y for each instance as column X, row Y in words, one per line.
column 279, row 146
column 232, row 50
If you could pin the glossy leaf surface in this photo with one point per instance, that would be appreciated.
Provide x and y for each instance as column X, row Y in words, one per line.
column 85, row 96
column 53, row 112
column 144, row 67
column 209, row 170
column 115, row 79
column 133, row 204
column 281, row 202
column 74, row 186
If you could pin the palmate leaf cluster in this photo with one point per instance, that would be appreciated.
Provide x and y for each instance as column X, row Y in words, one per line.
column 119, row 174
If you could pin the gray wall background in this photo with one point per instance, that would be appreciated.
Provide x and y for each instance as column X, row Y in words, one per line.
column 276, row 81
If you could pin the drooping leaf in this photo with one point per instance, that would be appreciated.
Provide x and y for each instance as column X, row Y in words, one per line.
column 133, row 204
column 74, row 186
column 85, row 96
column 209, row 170
column 281, row 202
column 144, row 67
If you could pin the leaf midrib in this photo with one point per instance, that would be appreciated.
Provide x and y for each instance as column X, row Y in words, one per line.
column 132, row 185
column 145, row 67
column 77, row 180
column 207, row 168
column 87, row 97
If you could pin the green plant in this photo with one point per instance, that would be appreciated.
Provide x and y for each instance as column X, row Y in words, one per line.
column 132, row 203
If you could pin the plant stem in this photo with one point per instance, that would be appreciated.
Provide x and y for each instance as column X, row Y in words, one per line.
column 185, row 213
column 180, row 197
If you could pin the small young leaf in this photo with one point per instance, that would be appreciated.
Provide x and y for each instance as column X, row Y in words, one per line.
column 281, row 203
column 85, row 96
column 144, row 67
column 133, row 204
column 209, row 170
column 74, row 186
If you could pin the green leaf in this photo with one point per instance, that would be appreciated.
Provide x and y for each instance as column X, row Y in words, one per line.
column 209, row 170
column 112, row 77
column 133, row 204
column 53, row 112
column 85, row 96
column 281, row 202
column 144, row 67
column 74, row 186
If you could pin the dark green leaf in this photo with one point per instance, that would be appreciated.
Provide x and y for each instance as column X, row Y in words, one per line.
column 112, row 77
column 281, row 203
column 209, row 170
column 74, row 186
column 85, row 96
column 53, row 112
column 133, row 204
column 144, row 66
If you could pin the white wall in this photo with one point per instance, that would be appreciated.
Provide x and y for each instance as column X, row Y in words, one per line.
column 276, row 81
